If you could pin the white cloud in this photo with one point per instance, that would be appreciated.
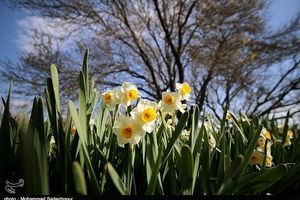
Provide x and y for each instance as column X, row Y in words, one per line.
column 24, row 35
column 54, row 27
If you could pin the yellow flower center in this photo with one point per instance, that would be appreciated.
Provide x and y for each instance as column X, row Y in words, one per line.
column 108, row 97
column 148, row 115
column 73, row 130
column 132, row 94
column 186, row 89
column 268, row 135
column 127, row 132
column 169, row 99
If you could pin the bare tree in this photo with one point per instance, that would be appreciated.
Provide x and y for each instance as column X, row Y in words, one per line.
column 222, row 48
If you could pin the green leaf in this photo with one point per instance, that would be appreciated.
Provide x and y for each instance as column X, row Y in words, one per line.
column 187, row 167
column 205, row 162
column 198, row 141
column 154, row 175
column 116, row 179
column 221, row 168
column 54, row 77
column 290, row 178
column 79, row 180
column 285, row 129
column 101, row 124
column 263, row 180
column 249, row 151
column 223, row 122
column 256, row 182
column 87, row 160
column 35, row 146
column 178, row 129
column 129, row 167
column 234, row 168
column 194, row 132
column 85, row 70
column 231, row 173
column 5, row 143
column 195, row 171
column 82, row 107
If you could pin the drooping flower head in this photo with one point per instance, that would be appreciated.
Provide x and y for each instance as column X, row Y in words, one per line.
column 128, row 130
column 171, row 101
column 145, row 113
column 110, row 98
column 184, row 90
column 128, row 94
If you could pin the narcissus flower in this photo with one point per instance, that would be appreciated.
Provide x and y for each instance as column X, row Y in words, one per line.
column 257, row 158
column 128, row 94
column 265, row 134
column 207, row 125
column 289, row 136
column 170, row 123
column 110, row 98
column 171, row 101
column 52, row 147
column 184, row 90
column 229, row 116
column 268, row 162
column 242, row 118
column 128, row 130
column 145, row 113
column 261, row 145
column 261, row 142
column 185, row 135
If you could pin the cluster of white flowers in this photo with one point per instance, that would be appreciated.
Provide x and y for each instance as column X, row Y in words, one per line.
column 142, row 118
column 123, row 96
column 263, row 149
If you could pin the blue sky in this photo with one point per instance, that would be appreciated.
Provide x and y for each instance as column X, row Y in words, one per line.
column 9, row 32
column 14, row 24
column 280, row 12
